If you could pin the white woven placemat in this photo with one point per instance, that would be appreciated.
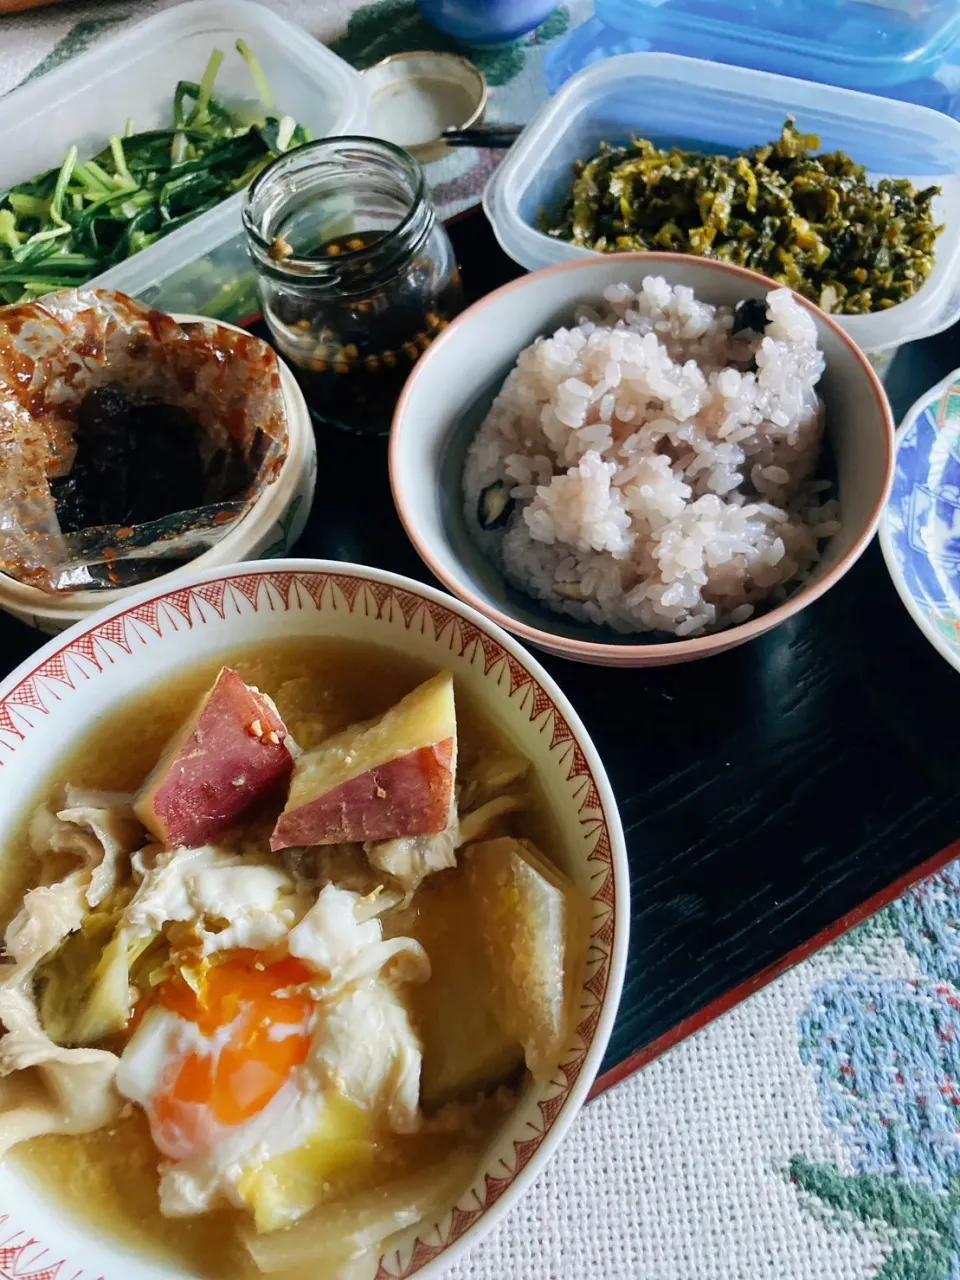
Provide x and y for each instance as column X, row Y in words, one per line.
column 812, row 1132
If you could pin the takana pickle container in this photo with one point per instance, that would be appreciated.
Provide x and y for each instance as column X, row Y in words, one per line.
column 678, row 101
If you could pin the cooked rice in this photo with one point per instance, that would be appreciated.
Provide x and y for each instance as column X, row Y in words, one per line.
column 659, row 482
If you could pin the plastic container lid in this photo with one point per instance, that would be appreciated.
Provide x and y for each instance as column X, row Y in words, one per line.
column 862, row 44
column 133, row 76
column 709, row 106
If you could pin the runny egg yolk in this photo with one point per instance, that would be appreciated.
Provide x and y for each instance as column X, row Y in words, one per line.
column 257, row 1025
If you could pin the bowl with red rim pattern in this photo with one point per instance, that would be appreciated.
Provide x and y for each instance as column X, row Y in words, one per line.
column 54, row 698
column 451, row 389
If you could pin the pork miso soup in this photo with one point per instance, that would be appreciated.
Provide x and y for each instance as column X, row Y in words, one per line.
column 285, row 940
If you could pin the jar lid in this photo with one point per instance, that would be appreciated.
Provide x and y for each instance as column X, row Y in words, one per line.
column 414, row 97
column 859, row 44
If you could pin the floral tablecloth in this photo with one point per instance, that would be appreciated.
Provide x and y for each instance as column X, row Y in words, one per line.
column 37, row 41
column 814, row 1131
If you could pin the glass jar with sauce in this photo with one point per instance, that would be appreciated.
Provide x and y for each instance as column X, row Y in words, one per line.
column 355, row 273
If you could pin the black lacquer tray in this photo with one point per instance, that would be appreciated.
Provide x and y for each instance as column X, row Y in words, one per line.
column 772, row 796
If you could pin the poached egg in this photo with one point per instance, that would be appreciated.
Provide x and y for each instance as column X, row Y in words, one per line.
column 267, row 1075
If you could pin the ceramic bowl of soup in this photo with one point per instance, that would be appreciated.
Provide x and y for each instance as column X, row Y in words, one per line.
column 316, row 908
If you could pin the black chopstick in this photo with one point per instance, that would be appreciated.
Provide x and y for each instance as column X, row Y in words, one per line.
column 494, row 136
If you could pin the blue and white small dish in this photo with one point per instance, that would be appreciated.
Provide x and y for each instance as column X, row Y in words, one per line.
column 920, row 527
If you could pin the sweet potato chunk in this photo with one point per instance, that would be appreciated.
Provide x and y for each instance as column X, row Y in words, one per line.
column 374, row 781
column 231, row 751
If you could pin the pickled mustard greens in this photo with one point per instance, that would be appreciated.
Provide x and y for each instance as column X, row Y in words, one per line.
column 810, row 221
column 63, row 227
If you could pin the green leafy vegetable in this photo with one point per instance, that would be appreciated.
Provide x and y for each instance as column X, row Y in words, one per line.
column 62, row 227
column 85, row 985
column 810, row 221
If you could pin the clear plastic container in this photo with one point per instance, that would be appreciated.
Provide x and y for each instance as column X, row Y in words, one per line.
column 894, row 47
column 596, row 40
column 209, row 273
column 133, row 76
column 707, row 106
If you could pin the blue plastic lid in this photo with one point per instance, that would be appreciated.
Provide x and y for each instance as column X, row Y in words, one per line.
column 873, row 45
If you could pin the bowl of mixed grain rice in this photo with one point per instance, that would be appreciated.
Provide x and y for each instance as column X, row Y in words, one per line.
column 642, row 459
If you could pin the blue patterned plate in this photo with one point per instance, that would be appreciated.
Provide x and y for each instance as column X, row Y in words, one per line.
column 920, row 528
